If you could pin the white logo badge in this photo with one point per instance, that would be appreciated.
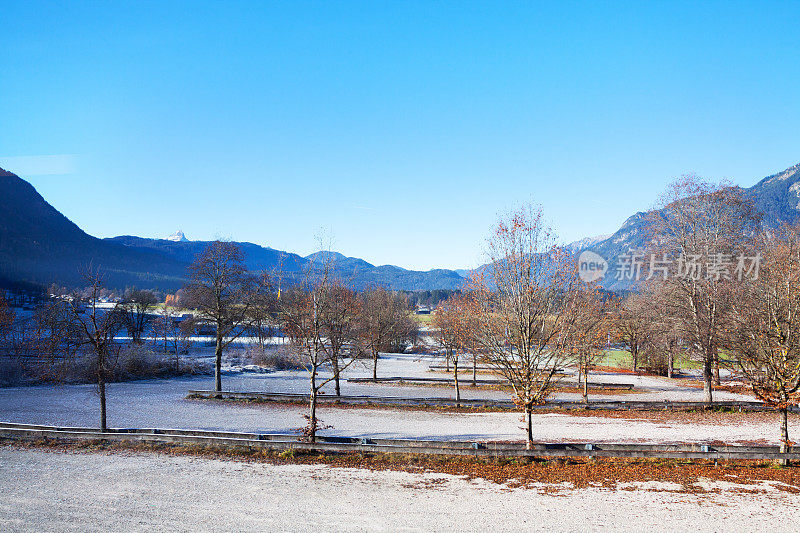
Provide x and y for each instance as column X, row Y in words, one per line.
column 591, row 267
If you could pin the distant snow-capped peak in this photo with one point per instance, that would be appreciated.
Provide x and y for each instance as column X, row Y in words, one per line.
column 178, row 236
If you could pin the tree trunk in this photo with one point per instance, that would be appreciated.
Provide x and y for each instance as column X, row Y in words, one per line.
column 312, row 411
column 716, row 368
column 586, row 385
column 707, row 377
column 529, row 424
column 474, row 370
column 375, row 365
column 312, row 417
column 218, row 364
column 784, row 436
column 455, row 375
column 670, row 363
column 635, row 355
column 101, row 383
column 336, row 374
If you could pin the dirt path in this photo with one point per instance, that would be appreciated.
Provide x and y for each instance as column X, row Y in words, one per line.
column 44, row 490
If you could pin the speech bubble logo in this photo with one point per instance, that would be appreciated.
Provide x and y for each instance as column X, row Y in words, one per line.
column 591, row 266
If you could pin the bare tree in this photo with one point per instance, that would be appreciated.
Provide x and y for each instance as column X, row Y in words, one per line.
column 523, row 304
column 631, row 325
column 172, row 333
column 662, row 346
column 386, row 322
column 586, row 335
column 301, row 314
column 56, row 338
column 223, row 292
column 765, row 335
column 98, row 327
column 44, row 343
column 338, row 311
column 450, row 321
column 700, row 223
column 264, row 308
column 162, row 331
column 135, row 312
column 663, row 349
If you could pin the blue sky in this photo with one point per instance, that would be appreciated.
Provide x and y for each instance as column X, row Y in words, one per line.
column 402, row 128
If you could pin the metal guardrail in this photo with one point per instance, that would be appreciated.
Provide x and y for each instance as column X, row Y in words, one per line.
column 15, row 431
column 608, row 405
column 350, row 400
column 467, row 381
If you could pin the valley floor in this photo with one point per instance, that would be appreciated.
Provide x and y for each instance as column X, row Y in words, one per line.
column 162, row 404
column 54, row 489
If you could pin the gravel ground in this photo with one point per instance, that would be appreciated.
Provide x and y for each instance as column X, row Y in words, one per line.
column 43, row 490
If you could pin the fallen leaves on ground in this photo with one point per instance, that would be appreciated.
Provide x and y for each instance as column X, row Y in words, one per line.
column 549, row 476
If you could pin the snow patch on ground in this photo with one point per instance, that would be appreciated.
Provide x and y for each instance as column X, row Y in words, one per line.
column 162, row 403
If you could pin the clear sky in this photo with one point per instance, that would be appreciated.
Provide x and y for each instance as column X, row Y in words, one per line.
column 403, row 128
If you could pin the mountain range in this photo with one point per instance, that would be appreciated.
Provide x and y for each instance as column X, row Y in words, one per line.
column 38, row 244
column 777, row 197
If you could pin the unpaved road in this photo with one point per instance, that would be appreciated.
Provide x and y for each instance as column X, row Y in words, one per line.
column 48, row 490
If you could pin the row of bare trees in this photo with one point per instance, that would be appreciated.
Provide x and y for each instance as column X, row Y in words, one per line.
column 528, row 314
column 238, row 302
column 331, row 326
column 328, row 324
column 699, row 223
column 730, row 301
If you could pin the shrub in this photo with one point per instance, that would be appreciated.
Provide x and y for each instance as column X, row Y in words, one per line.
column 136, row 361
column 277, row 358
column 287, row 454
column 12, row 373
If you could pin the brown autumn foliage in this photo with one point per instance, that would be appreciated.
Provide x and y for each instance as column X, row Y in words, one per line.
column 585, row 338
column 386, row 323
column 522, row 303
column 698, row 223
column 764, row 337
column 557, row 475
column 455, row 322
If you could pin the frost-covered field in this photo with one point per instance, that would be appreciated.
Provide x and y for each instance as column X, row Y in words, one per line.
column 43, row 490
column 50, row 490
column 162, row 403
